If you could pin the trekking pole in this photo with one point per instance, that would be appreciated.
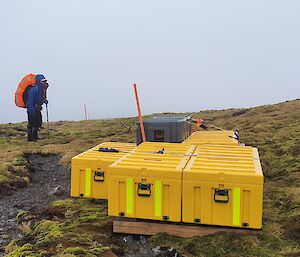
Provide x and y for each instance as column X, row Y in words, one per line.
column 47, row 121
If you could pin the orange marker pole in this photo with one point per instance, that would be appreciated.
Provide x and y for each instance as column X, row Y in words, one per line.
column 140, row 114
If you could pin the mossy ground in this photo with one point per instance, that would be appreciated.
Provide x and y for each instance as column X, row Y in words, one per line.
column 78, row 227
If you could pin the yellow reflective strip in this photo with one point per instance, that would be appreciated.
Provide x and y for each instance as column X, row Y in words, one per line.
column 129, row 193
column 236, row 206
column 88, row 178
column 157, row 198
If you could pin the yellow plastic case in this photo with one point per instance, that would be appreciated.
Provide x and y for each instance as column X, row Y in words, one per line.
column 147, row 184
column 89, row 169
column 225, row 137
column 223, row 185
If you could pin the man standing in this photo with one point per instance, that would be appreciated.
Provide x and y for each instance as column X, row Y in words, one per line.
column 36, row 98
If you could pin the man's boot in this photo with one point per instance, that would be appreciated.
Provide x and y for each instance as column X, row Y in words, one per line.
column 35, row 133
column 30, row 135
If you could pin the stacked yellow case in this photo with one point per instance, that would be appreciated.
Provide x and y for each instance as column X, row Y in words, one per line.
column 207, row 179
column 223, row 185
column 89, row 169
column 146, row 184
column 224, row 137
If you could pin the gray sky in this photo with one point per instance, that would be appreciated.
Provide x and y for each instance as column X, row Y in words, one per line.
column 183, row 55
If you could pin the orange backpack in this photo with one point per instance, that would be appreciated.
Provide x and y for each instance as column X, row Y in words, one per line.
column 21, row 94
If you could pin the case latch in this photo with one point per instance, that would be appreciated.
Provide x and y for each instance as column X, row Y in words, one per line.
column 221, row 196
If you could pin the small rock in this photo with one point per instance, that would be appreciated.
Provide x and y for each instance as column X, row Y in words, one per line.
column 5, row 236
column 171, row 253
column 11, row 215
column 57, row 191
column 143, row 240
column 143, row 252
column 26, row 180
column 164, row 251
column 128, row 239
column 156, row 251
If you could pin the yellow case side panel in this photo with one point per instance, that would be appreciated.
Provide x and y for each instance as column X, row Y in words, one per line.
column 160, row 201
column 243, row 209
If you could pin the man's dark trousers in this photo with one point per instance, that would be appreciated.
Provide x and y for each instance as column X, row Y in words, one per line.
column 34, row 123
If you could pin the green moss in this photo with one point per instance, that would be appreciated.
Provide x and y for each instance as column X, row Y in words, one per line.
column 75, row 251
column 21, row 215
column 66, row 203
column 99, row 250
column 88, row 218
column 24, row 251
column 11, row 246
column 47, row 232
column 81, row 239
column 20, row 161
column 66, row 255
column 4, row 179
column 223, row 244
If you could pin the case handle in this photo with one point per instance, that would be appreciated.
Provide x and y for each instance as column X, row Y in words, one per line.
column 144, row 190
column 99, row 176
column 221, row 196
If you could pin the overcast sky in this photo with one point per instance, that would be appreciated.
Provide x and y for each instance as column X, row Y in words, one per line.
column 183, row 55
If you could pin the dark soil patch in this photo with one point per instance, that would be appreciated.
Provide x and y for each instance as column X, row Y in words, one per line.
column 21, row 129
column 49, row 182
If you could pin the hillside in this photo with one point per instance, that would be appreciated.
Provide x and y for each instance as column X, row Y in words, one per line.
column 79, row 227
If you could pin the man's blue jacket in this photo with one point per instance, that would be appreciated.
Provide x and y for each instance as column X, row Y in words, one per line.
column 36, row 95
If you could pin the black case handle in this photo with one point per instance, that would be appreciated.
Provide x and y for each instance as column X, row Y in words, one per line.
column 99, row 176
column 144, row 190
column 223, row 194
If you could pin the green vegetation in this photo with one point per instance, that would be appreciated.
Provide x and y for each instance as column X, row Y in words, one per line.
column 79, row 227
column 82, row 230
column 21, row 215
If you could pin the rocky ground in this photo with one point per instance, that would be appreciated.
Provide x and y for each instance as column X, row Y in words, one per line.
column 49, row 182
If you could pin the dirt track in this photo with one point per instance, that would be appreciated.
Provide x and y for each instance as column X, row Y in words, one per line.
column 49, row 182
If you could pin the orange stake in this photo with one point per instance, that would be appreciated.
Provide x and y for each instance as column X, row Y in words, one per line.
column 140, row 114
